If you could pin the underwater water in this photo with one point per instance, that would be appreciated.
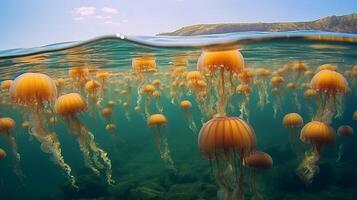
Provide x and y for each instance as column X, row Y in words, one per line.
column 105, row 141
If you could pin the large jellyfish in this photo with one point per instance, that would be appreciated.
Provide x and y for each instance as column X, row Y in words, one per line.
column 69, row 106
column 257, row 162
column 344, row 131
column 157, row 122
column 7, row 124
column 293, row 122
column 331, row 87
column 218, row 67
column 186, row 107
column 277, row 82
column 318, row 135
column 262, row 86
column 226, row 142
column 35, row 92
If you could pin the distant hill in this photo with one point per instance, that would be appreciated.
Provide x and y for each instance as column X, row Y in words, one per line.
column 345, row 23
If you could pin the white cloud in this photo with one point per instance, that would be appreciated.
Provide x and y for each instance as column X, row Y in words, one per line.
column 78, row 18
column 102, row 17
column 112, row 23
column 85, row 11
column 110, row 10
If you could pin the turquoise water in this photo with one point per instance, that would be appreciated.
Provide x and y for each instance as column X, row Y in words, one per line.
column 137, row 169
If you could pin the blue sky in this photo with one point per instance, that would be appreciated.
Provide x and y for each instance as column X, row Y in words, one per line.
column 29, row 23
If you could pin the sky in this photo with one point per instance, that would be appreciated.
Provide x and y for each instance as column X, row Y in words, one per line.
column 31, row 23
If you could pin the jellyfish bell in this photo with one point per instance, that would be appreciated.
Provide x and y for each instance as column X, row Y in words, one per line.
column 354, row 116
column 259, row 160
column 107, row 112
column 293, row 120
column 310, row 93
column 7, row 124
column 345, row 131
column 227, row 141
column 5, row 85
column 111, row 103
column 185, row 104
column 25, row 124
column 327, row 67
column 2, row 153
column 318, row 135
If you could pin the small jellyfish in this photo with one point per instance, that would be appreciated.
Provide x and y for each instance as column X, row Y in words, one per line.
column 331, row 87
column 146, row 93
column 79, row 75
column 158, row 122
column 344, row 131
column 7, row 124
column 2, row 153
column 227, row 142
column 262, row 86
column 69, row 106
column 60, row 82
column 318, row 135
column 354, row 116
column 277, row 83
column 257, row 162
column 245, row 91
column 94, row 97
column 36, row 92
column 293, row 122
column 186, row 107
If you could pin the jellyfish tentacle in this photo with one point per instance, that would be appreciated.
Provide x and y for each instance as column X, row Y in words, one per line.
column 341, row 149
column 308, row 168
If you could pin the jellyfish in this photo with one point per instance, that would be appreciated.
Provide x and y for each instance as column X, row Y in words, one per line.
column 293, row 122
column 35, row 92
column 79, row 75
column 103, row 76
column 2, row 153
column 293, row 87
column 5, row 86
column 331, row 87
column 186, row 107
column 60, row 83
column 177, row 83
column 299, row 68
column 262, row 86
column 107, row 114
column 147, row 94
column 218, row 67
column 94, row 99
column 157, row 95
column 245, row 90
column 318, row 135
column 327, row 66
column 277, row 82
column 69, row 106
column 257, row 162
column 310, row 94
column 227, row 142
column 157, row 122
column 144, row 66
column 344, row 131
column 7, row 124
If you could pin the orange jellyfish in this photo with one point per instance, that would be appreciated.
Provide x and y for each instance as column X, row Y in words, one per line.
column 147, row 94
column 177, row 83
column 277, row 82
column 60, row 84
column 2, row 153
column 258, row 161
column 69, row 106
column 94, row 99
column 331, row 87
column 7, row 124
column 262, row 86
column 144, row 66
column 293, row 122
column 344, row 131
column 5, row 85
column 157, row 122
column 107, row 114
column 186, row 107
column 318, row 135
column 245, row 90
column 227, row 142
column 36, row 92
column 103, row 76
column 219, row 67
column 79, row 75
column 299, row 68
